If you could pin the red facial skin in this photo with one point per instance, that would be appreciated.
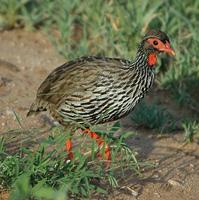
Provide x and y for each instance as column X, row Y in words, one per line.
column 161, row 47
column 164, row 47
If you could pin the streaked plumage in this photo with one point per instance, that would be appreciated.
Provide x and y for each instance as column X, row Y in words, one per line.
column 94, row 90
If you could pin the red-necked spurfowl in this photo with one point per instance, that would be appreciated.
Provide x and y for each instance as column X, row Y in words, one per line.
column 94, row 90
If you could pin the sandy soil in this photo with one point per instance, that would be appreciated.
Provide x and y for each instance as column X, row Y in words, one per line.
column 25, row 60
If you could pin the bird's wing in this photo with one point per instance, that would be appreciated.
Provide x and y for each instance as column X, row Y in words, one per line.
column 77, row 78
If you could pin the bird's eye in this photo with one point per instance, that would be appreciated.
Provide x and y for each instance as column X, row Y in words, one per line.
column 155, row 42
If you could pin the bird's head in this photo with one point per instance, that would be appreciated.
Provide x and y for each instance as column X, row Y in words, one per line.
column 155, row 42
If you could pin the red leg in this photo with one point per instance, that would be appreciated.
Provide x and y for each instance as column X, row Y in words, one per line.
column 69, row 149
column 100, row 142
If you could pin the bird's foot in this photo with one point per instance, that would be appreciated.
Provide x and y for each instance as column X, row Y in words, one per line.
column 101, row 144
column 106, row 155
column 106, row 151
column 69, row 145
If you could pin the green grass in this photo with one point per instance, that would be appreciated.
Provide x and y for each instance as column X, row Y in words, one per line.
column 152, row 116
column 45, row 174
column 191, row 129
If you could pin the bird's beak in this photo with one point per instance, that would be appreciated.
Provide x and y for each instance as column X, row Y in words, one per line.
column 168, row 49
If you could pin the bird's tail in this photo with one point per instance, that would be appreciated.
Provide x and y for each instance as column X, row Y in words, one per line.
column 36, row 108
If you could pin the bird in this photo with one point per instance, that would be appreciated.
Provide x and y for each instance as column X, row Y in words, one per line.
column 95, row 90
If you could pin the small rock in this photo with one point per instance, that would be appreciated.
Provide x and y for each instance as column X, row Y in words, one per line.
column 132, row 192
column 9, row 112
column 191, row 165
column 156, row 176
column 175, row 183
column 157, row 194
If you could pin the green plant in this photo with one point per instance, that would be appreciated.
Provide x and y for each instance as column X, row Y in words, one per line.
column 151, row 116
column 10, row 13
column 191, row 128
column 23, row 190
column 43, row 172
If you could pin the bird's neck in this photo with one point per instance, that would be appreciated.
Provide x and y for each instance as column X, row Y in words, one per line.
column 145, row 58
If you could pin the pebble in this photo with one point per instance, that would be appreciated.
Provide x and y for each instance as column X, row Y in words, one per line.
column 191, row 165
column 132, row 192
column 9, row 112
column 157, row 194
column 175, row 183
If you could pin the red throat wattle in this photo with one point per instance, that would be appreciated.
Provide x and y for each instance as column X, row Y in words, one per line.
column 152, row 59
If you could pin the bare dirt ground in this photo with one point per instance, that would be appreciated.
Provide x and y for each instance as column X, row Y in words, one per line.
column 25, row 60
